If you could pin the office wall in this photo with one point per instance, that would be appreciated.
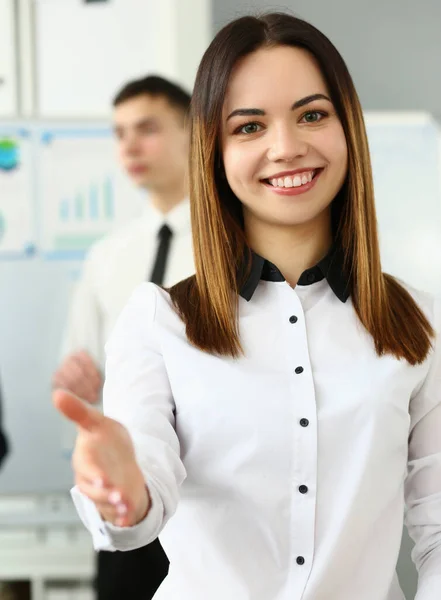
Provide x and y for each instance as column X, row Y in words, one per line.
column 392, row 47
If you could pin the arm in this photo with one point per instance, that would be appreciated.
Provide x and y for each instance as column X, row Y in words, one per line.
column 137, row 394
column 423, row 484
column 83, row 330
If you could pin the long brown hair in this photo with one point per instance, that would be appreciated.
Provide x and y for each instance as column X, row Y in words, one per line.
column 208, row 301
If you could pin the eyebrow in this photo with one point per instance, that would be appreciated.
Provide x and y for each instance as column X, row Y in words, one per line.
column 138, row 124
column 247, row 112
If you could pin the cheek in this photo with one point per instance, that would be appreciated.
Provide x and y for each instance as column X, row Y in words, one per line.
column 121, row 151
column 337, row 151
column 240, row 163
column 153, row 145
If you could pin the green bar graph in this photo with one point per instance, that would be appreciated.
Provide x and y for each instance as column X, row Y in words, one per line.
column 79, row 206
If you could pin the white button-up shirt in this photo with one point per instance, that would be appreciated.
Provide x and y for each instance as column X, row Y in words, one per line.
column 282, row 474
column 116, row 265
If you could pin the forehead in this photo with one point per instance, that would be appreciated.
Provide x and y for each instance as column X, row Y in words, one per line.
column 271, row 76
column 144, row 107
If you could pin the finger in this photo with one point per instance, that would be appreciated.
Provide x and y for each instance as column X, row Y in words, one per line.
column 88, row 472
column 97, row 481
column 109, row 513
column 89, row 367
column 76, row 410
column 70, row 377
column 58, row 380
column 78, row 380
column 103, row 496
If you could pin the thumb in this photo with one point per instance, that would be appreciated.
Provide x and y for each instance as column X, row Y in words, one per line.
column 76, row 410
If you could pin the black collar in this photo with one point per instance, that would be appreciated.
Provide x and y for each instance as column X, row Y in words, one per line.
column 330, row 267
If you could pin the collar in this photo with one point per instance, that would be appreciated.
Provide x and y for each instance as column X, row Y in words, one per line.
column 178, row 219
column 331, row 268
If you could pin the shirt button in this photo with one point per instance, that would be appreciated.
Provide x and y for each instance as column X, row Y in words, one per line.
column 299, row 370
column 304, row 422
column 300, row 560
column 293, row 319
column 303, row 489
column 310, row 278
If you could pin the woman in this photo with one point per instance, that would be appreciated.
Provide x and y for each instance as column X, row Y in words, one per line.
column 274, row 400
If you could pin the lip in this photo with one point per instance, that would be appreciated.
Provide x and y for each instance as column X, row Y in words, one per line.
column 137, row 170
column 294, row 191
column 292, row 172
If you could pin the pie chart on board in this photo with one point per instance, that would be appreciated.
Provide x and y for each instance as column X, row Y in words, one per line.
column 9, row 155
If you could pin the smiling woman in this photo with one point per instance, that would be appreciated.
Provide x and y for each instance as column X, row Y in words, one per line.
column 280, row 165
column 272, row 403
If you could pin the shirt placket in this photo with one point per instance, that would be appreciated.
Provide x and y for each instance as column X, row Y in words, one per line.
column 304, row 454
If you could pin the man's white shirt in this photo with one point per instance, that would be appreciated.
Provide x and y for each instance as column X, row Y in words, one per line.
column 116, row 265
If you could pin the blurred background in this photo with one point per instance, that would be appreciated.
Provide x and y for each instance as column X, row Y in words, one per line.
column 61, row 189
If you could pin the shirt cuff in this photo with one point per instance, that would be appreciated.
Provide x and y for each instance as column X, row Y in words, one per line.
column 106, row 536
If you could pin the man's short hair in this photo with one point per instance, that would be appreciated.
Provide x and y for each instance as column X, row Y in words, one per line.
column 155, row 86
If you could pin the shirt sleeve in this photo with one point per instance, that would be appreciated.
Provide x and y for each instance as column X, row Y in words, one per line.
column 137, row 393
column 84, row 330
column 423, row 483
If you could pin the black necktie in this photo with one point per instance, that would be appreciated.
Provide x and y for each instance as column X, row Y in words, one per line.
column 164, row 239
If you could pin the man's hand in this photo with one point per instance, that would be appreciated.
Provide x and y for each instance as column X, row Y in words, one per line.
column 79, row 374
column 104, row 463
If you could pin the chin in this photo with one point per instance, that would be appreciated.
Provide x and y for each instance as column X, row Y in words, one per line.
column 141, row 182
column 291, row 218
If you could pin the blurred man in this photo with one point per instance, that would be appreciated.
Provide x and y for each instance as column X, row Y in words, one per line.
column 151, row 132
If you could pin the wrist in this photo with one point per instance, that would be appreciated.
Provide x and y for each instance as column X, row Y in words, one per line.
column 144, row 508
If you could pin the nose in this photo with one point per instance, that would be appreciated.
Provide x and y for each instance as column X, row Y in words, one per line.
column 129, row 145
column 286, row 145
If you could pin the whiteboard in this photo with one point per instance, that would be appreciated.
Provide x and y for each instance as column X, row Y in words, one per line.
column 35, row 289
column 405, row 150
column 17, row 209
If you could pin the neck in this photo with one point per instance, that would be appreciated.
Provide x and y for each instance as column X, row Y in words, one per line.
column 293, row 249
column 165, row 200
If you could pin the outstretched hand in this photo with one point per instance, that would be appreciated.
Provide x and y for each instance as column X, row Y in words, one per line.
column 104, row 463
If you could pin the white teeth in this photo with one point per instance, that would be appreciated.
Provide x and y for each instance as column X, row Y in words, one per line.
column 296, row 181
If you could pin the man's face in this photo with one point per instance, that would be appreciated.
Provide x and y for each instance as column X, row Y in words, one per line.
column 152, row 141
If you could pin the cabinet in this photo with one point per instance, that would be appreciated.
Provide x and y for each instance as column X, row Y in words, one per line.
column 44, row 546
column 58, row 564
column 86, row 51
column 8, row 71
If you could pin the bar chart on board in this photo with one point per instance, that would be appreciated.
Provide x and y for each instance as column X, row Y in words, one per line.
column 79, row 190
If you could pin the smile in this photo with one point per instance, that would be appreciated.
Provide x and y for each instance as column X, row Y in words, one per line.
column 293, row 184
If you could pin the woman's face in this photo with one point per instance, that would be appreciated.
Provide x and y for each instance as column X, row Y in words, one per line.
column 283, row 146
